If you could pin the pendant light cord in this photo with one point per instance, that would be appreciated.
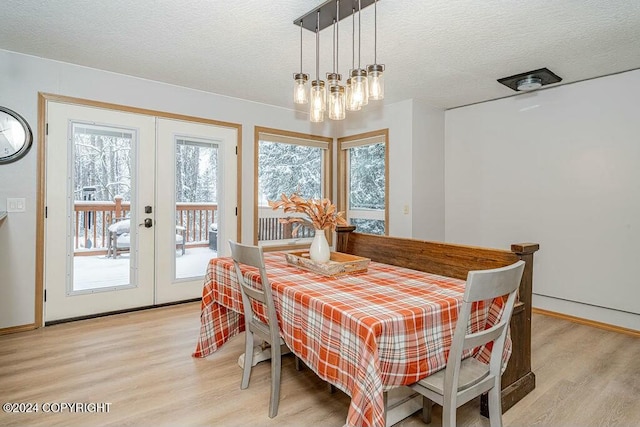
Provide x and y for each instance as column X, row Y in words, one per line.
column 337, row 34
column 334, row 46
column 301, row 46
column 318, row 48
column 375, row 31
column 353, row 39
column 359, row 29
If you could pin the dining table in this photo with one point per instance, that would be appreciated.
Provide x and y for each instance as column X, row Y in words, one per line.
column 366, row 333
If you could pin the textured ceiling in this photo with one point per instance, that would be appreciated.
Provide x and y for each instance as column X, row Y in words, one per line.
column 447, row 53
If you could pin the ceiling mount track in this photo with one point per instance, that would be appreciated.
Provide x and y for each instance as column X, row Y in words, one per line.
column 328, row 13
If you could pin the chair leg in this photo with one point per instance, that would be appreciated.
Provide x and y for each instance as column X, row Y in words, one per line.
column 385, row 403
column 449, row 416
column 248, row 359
column 276, row 363
column 495, row 405
column 111, row 245
column 427, row 406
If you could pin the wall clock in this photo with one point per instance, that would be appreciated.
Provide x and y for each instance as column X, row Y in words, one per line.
column 15, row 136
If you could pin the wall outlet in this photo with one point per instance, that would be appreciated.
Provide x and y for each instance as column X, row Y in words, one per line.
column 16, row 204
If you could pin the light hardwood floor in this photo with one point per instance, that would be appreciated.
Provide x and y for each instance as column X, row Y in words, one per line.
column 141, row 364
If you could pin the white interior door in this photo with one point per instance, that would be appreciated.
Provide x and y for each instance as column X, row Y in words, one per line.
column 196, row 202
column 93, row 151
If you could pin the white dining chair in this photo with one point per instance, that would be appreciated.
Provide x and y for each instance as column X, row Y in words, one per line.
column 254, row 327
column 463, row 380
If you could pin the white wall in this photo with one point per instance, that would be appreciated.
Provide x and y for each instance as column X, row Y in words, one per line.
column 428, row 172
column 560, row 167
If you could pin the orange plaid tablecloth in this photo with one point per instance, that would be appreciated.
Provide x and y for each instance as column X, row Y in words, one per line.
column 365, row 333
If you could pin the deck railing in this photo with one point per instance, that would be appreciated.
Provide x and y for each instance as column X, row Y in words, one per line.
column 269, row 227
column 93, row 218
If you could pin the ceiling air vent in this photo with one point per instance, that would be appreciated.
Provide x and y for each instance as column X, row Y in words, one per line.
column 530, row 80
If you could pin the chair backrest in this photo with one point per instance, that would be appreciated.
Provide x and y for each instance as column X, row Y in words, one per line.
column 483, row 285
column 249, row 255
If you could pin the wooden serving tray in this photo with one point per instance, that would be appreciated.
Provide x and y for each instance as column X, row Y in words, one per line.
column 339, row 263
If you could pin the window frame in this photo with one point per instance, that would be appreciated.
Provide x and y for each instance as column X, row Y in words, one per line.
column 362, row 139
column 325, row 143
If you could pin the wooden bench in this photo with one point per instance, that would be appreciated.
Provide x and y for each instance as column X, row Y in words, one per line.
column 456, row 261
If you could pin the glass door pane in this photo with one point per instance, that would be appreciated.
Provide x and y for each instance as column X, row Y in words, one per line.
column 196, row 196
column 102, row 185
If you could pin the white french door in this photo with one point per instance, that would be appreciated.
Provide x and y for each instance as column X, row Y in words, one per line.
column 179, row 277
column 135, row 207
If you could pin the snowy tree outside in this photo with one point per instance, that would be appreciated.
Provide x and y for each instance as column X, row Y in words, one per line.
column 367, row 178
column 196, row 169
column 367, row 187
column 288, row 168
column 103, row 162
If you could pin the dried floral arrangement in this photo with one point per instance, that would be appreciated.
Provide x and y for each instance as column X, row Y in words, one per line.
column 321, row 212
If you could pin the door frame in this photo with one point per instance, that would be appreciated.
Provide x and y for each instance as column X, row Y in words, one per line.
column 43, row 98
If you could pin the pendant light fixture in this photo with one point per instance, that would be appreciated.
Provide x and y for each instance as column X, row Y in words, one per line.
column 362, row 83
column 318, row 102
column 375, row 71
column 300, row 80
column 359, row 81
column 336, row 91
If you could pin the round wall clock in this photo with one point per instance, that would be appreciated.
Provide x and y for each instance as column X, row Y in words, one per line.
column 15, row 136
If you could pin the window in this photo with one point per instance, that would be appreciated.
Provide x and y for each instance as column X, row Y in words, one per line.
column 288, row 162
column 363, row 188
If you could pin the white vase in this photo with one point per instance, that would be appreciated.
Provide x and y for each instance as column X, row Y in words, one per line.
column 319, row 250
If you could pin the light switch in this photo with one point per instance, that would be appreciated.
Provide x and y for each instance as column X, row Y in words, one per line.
column 16, row 204
column 405, row 210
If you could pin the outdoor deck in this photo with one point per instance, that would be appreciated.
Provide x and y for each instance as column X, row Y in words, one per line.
column 98, row 272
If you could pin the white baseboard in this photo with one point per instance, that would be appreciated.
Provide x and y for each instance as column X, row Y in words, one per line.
column 588, row 312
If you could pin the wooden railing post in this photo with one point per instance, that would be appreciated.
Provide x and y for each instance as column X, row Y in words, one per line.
column 118, row 208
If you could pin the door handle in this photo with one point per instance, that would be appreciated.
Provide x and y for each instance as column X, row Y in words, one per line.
column 148, row 223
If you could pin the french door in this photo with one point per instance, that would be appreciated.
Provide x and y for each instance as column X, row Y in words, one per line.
column 136, row 206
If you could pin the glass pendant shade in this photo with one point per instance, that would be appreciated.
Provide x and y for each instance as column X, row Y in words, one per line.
column 337, row 102
column 333, row 80
column 360, row 87
column 316, row 116
column 351, row 102
column 318, row 103
column 300, row 93
column 375, row 74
